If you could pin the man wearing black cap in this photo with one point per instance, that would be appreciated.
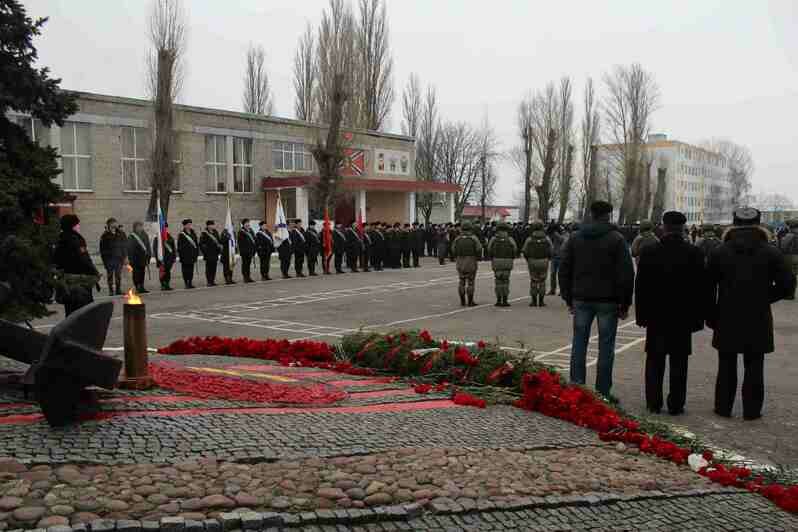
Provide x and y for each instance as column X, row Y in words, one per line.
column 246, row 248
column 670, row 273
column 313, row 247
column 377, row 246
column 139, row 253
column 417, row 244
column 113, row 250
column 596, row 281
column 72, row 257
column 339, row 247
column 211, row 245
column 299, row 245
column 746, row 276
column 167, row 261
column 265, row 248
column 188, row 251
column 406, row 245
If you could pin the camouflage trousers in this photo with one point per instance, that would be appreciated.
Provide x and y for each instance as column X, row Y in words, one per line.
column 502, row 280
column 538, row 270
column 467, row 281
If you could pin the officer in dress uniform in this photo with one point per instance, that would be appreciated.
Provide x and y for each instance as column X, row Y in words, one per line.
column 313, row 247
column 394, row 246
column 284, row 252
column 139, row 254
column 113, row 250
column 246, row 248
column 264, row 244
column 669, row 272
column 354, row 248
column 339, row 248
column 406, row 245
column 377, row 246
column 365, row 255
column 228, row 242
column 299, row 246
column 417, row 244
column 188, row 251
column 211, row 246
column 72, row 257
column 169, row 258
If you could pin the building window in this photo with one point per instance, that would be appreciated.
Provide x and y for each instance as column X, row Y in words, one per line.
column 76, row 157
column 242, row 165
column 136, row 169
column 215, row 163
column 37, row 132
column 291, row 157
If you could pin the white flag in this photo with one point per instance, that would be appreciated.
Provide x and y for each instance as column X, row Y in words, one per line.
column 281, row 226
column 228, row 224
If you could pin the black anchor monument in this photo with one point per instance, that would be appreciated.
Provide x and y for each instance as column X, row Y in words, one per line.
column 65, row 361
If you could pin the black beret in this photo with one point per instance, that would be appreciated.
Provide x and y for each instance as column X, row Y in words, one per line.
column 674, row 218
column 68, row 221
column 187, row 221
column 747, row 216
column 600, row 208
column 209, row 222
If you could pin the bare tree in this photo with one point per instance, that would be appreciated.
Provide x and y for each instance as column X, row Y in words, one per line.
column 335, row 58
column 591, row 132
column 375, row 90
column 565, row 147
column 457, row 160
column 632, row 97
column 740, row 163
column 411, row 106
column 167, row 32
column 525, row 132
column 487, row 153
column 305, row 76
column 427, row 139
column 658, row 208
column 257, row 97
column 544, row 126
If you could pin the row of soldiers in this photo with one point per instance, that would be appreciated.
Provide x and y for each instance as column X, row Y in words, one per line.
column 372, row 246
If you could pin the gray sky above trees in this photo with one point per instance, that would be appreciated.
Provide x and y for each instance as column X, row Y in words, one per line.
column 726, row 68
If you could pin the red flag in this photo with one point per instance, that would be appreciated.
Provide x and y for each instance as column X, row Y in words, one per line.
column 326, row 235
column 360, row 223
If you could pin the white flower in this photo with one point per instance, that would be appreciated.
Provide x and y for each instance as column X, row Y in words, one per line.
column 696, row 462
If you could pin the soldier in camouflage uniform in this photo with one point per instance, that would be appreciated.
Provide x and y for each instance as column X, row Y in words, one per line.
column 537, row 251
column 502, row 250
column 466, row 249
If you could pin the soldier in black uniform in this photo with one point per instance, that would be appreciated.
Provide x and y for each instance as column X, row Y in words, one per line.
column 367, row 245
column 228, row 242
column 284, row 252
column 405, row 245
column 417, row 244
column 313, row 247
column 169, row 258
column 377, row 247
column 188, row 251
column 264, row 244
column 72, row 257
column 299, row 246
column 139, row 254
column 246, row 248
column 339, row 248
column 354, row 248
column 113, row 250
column 211, row 246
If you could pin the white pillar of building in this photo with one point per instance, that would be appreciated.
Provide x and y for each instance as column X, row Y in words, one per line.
column 229, row 160
column 411, row 207
column 451, row 207
column 360, row 204
column 302, row 207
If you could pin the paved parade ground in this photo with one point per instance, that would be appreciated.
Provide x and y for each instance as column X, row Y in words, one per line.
column 384, row 445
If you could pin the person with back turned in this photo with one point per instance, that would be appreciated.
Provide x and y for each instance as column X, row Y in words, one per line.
column 502, row 251
column 670, row 302
column 188, row 251
column 746, row 275
column 467, row 249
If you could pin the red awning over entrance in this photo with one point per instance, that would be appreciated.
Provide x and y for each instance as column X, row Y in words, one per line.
column 353, row 183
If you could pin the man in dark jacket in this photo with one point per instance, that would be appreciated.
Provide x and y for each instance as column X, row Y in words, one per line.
column 169, row 258
column 227, row 255
column 669, row 273
column 139, row 254
column 299, row 246
column 313, row 247
column 188, row 251
column 377, row 246
column 339, row 248
column 246, row 248
column 211, row 245
column 416, row 244
column 113, row 251
column 596, row 281
column 354, row 248
column 284, row 252
column 405, row 245
column 746, row 276
column 72, row 257
column 265, row 247
column 555, row 235
column 365, row 254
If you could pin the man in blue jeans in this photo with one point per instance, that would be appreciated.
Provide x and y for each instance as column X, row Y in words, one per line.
column 597, row 282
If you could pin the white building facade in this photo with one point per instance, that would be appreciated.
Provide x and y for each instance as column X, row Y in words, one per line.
column 697, row 180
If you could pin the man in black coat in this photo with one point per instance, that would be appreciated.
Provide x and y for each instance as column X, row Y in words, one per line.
column 299, row 245
column 228, row 245
column 596, row 282
column 366, row 250
column 284, row 252
column 188, row 251
column 339, row 248
column 246, row 248
column 139, row 254
column 169, row 258
column 406, row 245
column 313, row 247
column 377, row 246
column 354, row 248
column 211, row 246
column 264, row 243
column 72, row 257
column 670, row 272
column 416, row 244
column 746, row 276
column 113, row 250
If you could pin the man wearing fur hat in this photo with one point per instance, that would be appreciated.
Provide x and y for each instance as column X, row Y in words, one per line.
column 746, row 276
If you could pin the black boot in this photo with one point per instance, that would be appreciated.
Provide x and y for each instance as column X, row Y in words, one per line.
column 540, row 301
column 462, row 300
column 471, row 300
column 505, row 302
column 498, row 301
column 533, row 301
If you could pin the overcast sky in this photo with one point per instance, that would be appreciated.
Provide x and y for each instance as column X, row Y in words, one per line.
column 726, row 68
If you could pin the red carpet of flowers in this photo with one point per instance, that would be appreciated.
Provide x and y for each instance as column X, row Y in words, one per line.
column 206, row 386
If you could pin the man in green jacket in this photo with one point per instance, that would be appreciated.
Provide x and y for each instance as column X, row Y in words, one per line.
column 538, row 252
column 466, row 250
column 502, row 250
